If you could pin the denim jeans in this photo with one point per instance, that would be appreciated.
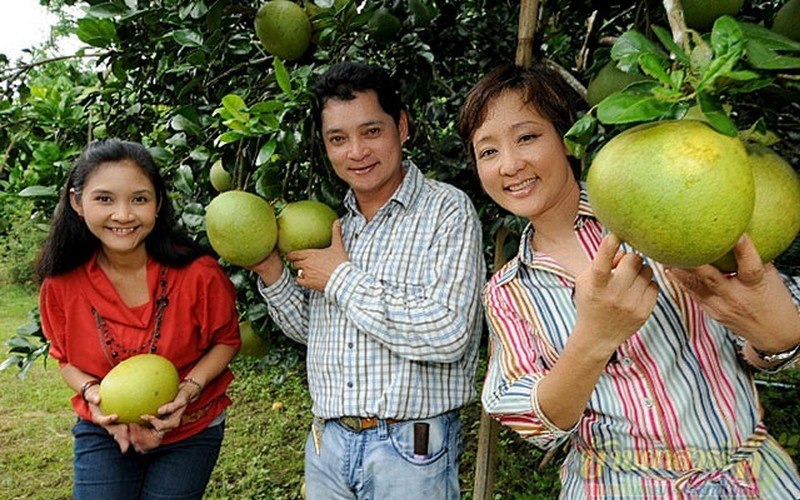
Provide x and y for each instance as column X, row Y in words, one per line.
column 175, row 471
column 379, row 463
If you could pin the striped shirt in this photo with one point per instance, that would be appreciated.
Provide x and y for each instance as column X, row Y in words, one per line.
column 397, row 330
column 674, row 414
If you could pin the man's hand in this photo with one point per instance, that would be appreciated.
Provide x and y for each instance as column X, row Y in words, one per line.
column 315, row 267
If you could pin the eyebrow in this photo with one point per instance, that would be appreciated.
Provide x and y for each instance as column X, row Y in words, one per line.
column 367, row 123
column 515, row 126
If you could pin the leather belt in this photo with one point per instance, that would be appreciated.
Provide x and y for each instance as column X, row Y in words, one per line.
column 358, row 424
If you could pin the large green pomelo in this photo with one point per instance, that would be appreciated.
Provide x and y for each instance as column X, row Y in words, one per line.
column 787, row 20
column 305, row 224
column 283, row 28
column 678, row 191
column 608, row 80
column 776, row 214
column 701, row 14
column 138, row 386
column 253, row 344
column 241, row 227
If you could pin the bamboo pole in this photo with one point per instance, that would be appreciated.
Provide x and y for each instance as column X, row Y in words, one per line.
column 486, row 459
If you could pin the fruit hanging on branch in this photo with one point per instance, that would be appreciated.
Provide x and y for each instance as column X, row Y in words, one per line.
column 701, row 14
column 221, row 179
column 138, row 386
column 284, row 29
column 678, row 191
column 241, row 227
column 776, row 214
column 253, row 345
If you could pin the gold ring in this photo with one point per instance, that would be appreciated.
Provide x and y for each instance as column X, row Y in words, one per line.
column 299, row 274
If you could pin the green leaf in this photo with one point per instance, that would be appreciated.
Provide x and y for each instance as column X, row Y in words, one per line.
column 266, row 151
column 236, row 106
column 579, row 136
column 755, row 33
column 97, row 32
column 39, row 192
column 666, row 40
column 267, row 107
column 187, row 38
column 636, row 103
column 184, row 179
column 760, row 56
column 282, row 76
column 105, row 10
column 629, row 46
column 182, row 123
column 652, row 66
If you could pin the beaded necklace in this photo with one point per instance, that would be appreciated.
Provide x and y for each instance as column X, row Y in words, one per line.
column 111, row 346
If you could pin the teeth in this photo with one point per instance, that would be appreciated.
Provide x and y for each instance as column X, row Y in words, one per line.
column 123, row 230
column 521, row 185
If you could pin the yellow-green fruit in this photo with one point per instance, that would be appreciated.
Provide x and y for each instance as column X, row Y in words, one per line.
column 138, row 386
column 283, row 29
column 677, row 191
column 787, row 20
column 305, row 224
column 241, row 227
column 220, row 178
column 252, row 343
column 701, row 14
column 608, row 80
column 776, row 214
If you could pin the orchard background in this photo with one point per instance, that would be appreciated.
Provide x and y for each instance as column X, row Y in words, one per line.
column 190, row 80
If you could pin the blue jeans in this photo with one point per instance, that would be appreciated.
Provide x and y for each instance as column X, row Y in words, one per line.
column 177, row 470
column 379, row 463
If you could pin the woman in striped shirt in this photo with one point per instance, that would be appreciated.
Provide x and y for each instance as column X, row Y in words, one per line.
column 645, row 370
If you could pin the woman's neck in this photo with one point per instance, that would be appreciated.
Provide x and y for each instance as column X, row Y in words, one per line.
column 122, row 264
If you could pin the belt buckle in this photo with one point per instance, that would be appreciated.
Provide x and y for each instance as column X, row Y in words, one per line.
column 351, row 423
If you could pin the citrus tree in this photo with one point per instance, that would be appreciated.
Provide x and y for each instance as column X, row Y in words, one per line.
column 200, row 85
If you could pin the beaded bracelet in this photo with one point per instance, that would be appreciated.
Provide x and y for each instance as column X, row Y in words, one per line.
column 190, row 380
column 86, row 386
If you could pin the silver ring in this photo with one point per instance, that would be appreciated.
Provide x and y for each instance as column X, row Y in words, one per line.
column 299, row 274
column 159, row 433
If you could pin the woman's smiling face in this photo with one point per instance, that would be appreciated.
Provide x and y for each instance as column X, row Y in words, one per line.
column 119, row 205
column 521, row 158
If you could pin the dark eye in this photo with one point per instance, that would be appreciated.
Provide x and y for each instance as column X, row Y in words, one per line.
column 103, row 198
column 374, row 131
column 487, row 153
column 141, row 199
column 335, row 139
column 527, row 137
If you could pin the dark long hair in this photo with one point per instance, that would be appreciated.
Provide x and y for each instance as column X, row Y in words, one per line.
column 70, row 244
column 540, row 86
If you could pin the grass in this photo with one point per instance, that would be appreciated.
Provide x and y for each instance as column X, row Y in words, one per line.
column 262, row 455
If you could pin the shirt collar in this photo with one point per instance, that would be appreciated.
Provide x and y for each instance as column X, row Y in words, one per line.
column 526, row 255
column 404, row 195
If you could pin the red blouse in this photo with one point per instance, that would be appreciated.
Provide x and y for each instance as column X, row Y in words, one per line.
column 200, row 313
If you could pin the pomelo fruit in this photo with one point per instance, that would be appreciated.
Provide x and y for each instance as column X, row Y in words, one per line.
column 776, row 213
column 241, row 227
column 384, row 25
column 678, row 191
column 787, row 20
column 221, row 180
column 608, row 80
column 138, row 386
column 252, row 343
column 283, row 28
column 701, row 14
column 304, row 224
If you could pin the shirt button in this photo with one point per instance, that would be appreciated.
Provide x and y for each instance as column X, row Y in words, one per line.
column 627, row 362
column 648, row 403
column 350, row 385
column 349, row 345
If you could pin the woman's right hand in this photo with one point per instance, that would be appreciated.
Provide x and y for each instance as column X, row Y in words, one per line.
column 120, row 432
column 614, row 296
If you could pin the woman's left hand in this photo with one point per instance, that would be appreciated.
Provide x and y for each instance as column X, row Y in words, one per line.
column 144, row 438
column 753, row 303
column 169, row 418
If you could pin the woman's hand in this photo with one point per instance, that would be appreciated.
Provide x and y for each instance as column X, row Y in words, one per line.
column 614, row 297
column 144, row 437
column 120, row 432
column 754, row 303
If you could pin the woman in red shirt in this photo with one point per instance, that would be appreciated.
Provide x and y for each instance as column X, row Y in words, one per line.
column 120, row 280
